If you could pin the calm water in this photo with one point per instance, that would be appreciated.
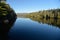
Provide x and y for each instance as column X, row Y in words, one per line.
column 28, row 29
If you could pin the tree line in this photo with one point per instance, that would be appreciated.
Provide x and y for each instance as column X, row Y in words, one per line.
column 52, row 13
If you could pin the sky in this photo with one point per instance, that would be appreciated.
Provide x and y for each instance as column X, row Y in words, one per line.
column 27, row 6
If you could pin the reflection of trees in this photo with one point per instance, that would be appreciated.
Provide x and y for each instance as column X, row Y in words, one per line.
column 4, row 29
column 55, row 13
column 51, row 21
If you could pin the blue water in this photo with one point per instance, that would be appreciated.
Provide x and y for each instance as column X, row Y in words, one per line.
column 27, row 29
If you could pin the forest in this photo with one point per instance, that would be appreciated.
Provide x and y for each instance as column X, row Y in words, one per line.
column 52, row 13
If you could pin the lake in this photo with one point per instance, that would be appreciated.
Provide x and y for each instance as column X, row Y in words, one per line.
column 31, row 29
column 28, row 29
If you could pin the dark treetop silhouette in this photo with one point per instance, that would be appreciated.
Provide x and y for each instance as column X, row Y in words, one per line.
column 2, row 0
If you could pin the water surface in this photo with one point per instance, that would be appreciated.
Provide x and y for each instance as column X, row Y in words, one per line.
column 29, row 29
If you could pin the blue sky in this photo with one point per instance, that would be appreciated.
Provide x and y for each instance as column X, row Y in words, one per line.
column 23, row 6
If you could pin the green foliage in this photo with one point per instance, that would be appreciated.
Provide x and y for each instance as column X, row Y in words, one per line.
column 4, row 9
column 52, row 13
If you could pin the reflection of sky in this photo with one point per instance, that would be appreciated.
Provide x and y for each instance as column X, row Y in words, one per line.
column 28, row 29
column 33, row 5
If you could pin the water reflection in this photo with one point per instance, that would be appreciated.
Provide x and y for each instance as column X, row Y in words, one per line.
column 54, row 22
column 4, row 29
